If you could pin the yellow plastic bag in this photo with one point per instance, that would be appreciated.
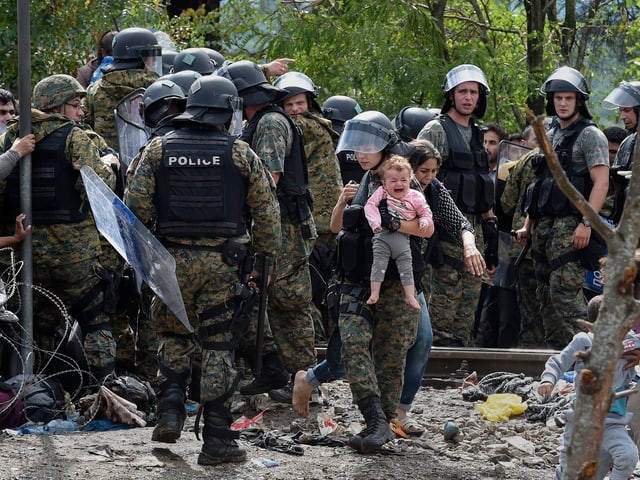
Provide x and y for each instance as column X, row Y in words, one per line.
column 500, row 406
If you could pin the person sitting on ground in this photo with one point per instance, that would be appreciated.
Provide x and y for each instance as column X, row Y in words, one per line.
column 618, row 451
column 402, row 203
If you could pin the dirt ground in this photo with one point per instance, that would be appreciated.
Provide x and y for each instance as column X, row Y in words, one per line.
column 486, row 450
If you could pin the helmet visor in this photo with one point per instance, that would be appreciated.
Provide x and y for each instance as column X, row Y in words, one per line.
column 152, row 58
column 462, row 74
column 235, row 126
column 624, row 95
column 363, row 137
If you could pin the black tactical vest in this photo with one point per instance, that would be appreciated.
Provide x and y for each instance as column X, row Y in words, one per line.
column 54, row 196
column 199, row 190
column 544, row 197
column 293, row 192
column 465, row 173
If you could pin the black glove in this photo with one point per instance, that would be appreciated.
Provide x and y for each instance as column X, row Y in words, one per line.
column 387, row 221
column 490, row 234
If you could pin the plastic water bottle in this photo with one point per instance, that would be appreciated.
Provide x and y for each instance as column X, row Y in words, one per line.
column 54, row 426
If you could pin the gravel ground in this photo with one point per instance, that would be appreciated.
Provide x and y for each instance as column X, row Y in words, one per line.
column 514, row 449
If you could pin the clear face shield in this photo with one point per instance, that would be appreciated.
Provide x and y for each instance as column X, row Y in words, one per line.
column 235, row 126
column 152, row 58
column 363, row 137
column 132, row 131
column 624, row 95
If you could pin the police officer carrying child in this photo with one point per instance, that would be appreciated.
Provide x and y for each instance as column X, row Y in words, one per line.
column 199, row 188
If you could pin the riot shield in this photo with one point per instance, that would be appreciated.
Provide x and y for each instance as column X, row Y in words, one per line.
column 509, row 152
column 152, row 262
column 132, row 131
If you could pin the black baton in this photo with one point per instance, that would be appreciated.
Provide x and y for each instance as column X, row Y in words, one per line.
column 262, row 312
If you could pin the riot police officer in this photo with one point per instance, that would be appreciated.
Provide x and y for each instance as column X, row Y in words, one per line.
column 201, row 201
column 562, row 241
column 454, row 292
column 625, row 98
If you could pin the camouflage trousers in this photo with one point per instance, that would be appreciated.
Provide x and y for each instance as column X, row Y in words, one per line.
column 559, row 290
column 73, row 283
column 453, row 297
column 531, row 328
column 290, row 302
column 207, row 284
column 375, row 341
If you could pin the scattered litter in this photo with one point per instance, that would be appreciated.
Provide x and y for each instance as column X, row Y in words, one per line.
column 265, row 462
column 243, row 422
column 326, row 423
column 499, row 407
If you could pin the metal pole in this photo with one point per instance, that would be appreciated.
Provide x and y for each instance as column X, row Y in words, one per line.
column 24, row 97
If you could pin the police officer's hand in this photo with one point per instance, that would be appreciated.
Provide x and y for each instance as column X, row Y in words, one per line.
column 522, row 236
column 254, row 280
column 348, row 192
column 279, row 67
column 581, row 236
column 24, row 145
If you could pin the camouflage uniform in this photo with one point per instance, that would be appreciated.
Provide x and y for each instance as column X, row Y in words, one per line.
column 560, row 290
column 66, row 256
column 376, row 340
column 453, row 291
column 289, row 308
column 512, row 200
column 103, row 97
column 325, row 185
column 205, row 280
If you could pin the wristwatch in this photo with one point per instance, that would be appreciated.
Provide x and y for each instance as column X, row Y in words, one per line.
column 585, row 221
column 395, row 224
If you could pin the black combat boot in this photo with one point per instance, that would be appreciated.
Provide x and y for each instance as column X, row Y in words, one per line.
column 272, row 376
column 171, row 414
column 377, row 431
column 219, row 440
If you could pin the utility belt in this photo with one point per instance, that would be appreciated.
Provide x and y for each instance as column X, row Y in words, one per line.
column 295, row 209
column 233, row 253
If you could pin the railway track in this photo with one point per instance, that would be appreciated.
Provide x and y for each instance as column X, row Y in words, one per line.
column 450, row 365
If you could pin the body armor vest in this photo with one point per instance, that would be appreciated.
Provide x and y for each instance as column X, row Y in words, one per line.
column 53, row 184
column 293, row 192
column 620, row 183
column 544, row 197
column 465, row 173
column 199, row 190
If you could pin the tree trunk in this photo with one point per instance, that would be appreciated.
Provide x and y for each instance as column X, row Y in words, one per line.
column 535, row 10
column 618, row 312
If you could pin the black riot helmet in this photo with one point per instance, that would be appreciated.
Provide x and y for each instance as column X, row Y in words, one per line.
column 158, row 98
column 410, row 121
column 461, row 74
column 136, row 48
column 211, row 101
column 252, row 85
column 339, row 109
column 566, row 79
column 183, row 79
column 215, row 55
column 193, row 59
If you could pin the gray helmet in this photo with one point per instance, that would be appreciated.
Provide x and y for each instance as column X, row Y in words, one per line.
column 627, row 94
column 215, row 55
column 136, row 48
column 410, row 121
column 56, row 90
column 183, row 79
column 252, row 85
column 367, row 132
column 339, row 109
column 466, row 73
column 296, row 83
column 193, row 59
column 212, row 100
column 566, row 79
column 157, row 99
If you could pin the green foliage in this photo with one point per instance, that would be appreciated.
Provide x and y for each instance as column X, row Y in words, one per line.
column 64, row 34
